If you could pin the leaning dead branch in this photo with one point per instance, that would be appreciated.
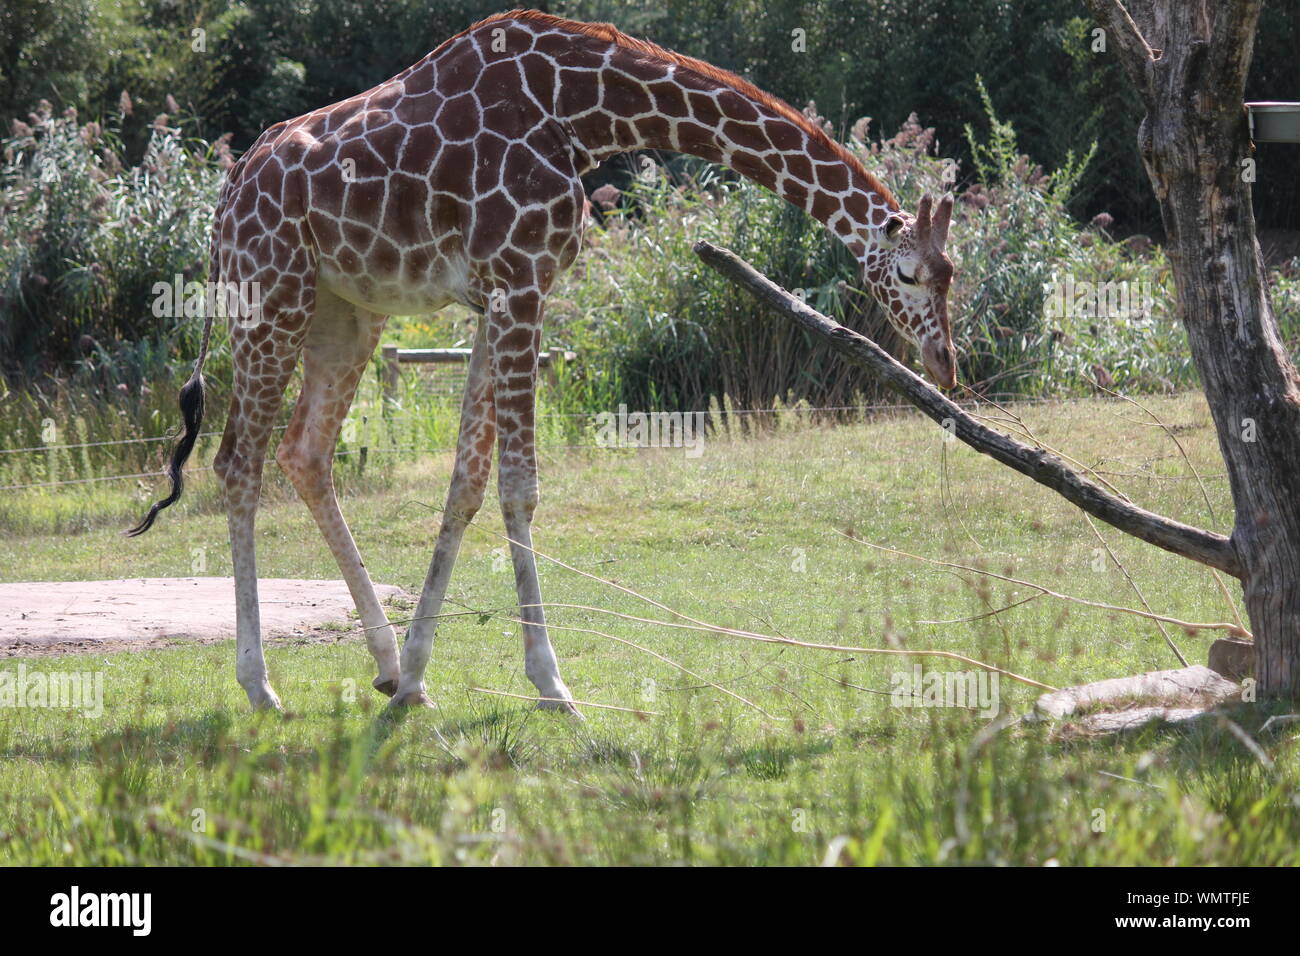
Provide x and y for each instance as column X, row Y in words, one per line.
column 1197, row 544
column 1029, row 433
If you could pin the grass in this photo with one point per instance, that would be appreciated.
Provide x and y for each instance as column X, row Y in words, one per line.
column 177, row 771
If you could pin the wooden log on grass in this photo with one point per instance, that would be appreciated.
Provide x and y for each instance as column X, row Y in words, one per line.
column 1186, row 686
column 1206, row 547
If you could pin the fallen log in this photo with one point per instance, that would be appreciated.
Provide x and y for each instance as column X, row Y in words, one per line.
column 1206, row 547
column 1185, row 686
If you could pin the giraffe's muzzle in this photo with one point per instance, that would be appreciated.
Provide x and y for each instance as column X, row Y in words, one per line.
column 940, row 361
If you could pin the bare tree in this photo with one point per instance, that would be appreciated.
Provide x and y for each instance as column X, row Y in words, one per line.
column 1188, row 59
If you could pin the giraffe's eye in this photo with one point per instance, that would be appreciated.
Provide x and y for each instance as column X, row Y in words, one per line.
column 904, row 278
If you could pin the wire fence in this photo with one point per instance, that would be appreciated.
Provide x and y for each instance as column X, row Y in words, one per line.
column 439, row 389
column 787, row 410
column 446, row 382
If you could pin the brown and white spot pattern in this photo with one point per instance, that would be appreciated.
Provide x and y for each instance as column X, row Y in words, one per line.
column 457, row 181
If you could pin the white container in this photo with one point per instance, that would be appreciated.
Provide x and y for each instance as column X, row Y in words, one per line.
column 1274, row 122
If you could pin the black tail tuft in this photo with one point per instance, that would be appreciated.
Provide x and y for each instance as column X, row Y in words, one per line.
column 192, row 412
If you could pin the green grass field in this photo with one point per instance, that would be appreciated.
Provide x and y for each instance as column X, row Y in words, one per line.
column 815, row 764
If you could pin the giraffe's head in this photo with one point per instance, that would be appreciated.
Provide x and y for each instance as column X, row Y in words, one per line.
column 909, row 274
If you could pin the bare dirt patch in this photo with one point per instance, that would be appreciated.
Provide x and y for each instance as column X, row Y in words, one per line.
column 94, row 617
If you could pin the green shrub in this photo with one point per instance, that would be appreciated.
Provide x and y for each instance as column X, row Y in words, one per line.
column 1014, row 241
column 658, row 330
column 85, row 238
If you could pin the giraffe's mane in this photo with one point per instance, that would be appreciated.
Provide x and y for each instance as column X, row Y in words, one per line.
column 609, row 33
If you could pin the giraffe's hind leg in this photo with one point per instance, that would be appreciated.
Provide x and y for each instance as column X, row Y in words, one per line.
column 265, row 352
column 336, row 352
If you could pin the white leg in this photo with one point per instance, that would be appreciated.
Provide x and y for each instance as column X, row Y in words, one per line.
column 539, row 656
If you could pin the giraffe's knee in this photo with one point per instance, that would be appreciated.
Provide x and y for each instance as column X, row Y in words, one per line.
column 519, row 496
column 228, row 463
column 465, row 499
column 309, row 471
column 239, row 473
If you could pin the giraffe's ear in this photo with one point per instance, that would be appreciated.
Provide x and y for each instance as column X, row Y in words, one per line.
column 893, row 225
column 942, row 219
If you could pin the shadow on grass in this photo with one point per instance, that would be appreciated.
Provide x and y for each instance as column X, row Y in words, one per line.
column 493, row 737
column 202, row 738
column 215, row 737
column 1226, row 739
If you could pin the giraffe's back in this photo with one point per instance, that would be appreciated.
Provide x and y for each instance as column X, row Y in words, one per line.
column 428, row 189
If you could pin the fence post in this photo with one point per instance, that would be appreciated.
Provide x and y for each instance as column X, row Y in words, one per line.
column 548, row 362
column 390, row 378
column 365, row 449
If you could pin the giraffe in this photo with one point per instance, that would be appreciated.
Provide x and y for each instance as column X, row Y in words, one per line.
column 458, row 181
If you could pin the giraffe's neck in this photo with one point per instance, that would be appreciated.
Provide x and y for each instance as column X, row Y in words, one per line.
column 639, row 100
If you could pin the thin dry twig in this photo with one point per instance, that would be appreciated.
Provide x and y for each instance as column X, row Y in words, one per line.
column 1136, row 590
column 946, row 497
column 1013, row 418
column 1249, row 742
column 987, row 614
column 562, row 700
column 697, row 625
column 1048, row 592
column 1205, row 493
column 621, row 640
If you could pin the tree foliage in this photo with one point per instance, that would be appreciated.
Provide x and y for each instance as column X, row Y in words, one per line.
column 265, row 60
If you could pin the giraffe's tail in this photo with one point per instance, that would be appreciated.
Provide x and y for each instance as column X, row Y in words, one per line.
column 191, row 402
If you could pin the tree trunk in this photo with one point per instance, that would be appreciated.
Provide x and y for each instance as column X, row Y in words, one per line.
column 1195, row 145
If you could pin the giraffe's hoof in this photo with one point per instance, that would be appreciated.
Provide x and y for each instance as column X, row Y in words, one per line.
column 385, row 685
column 264, row 698
column 409, row 698
column 560, row 706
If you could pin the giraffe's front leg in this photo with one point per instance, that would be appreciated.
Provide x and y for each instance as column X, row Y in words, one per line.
column 337, row 351
column 518, row 502
column 514, row 377
column 468, row 484
column 463, row 501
